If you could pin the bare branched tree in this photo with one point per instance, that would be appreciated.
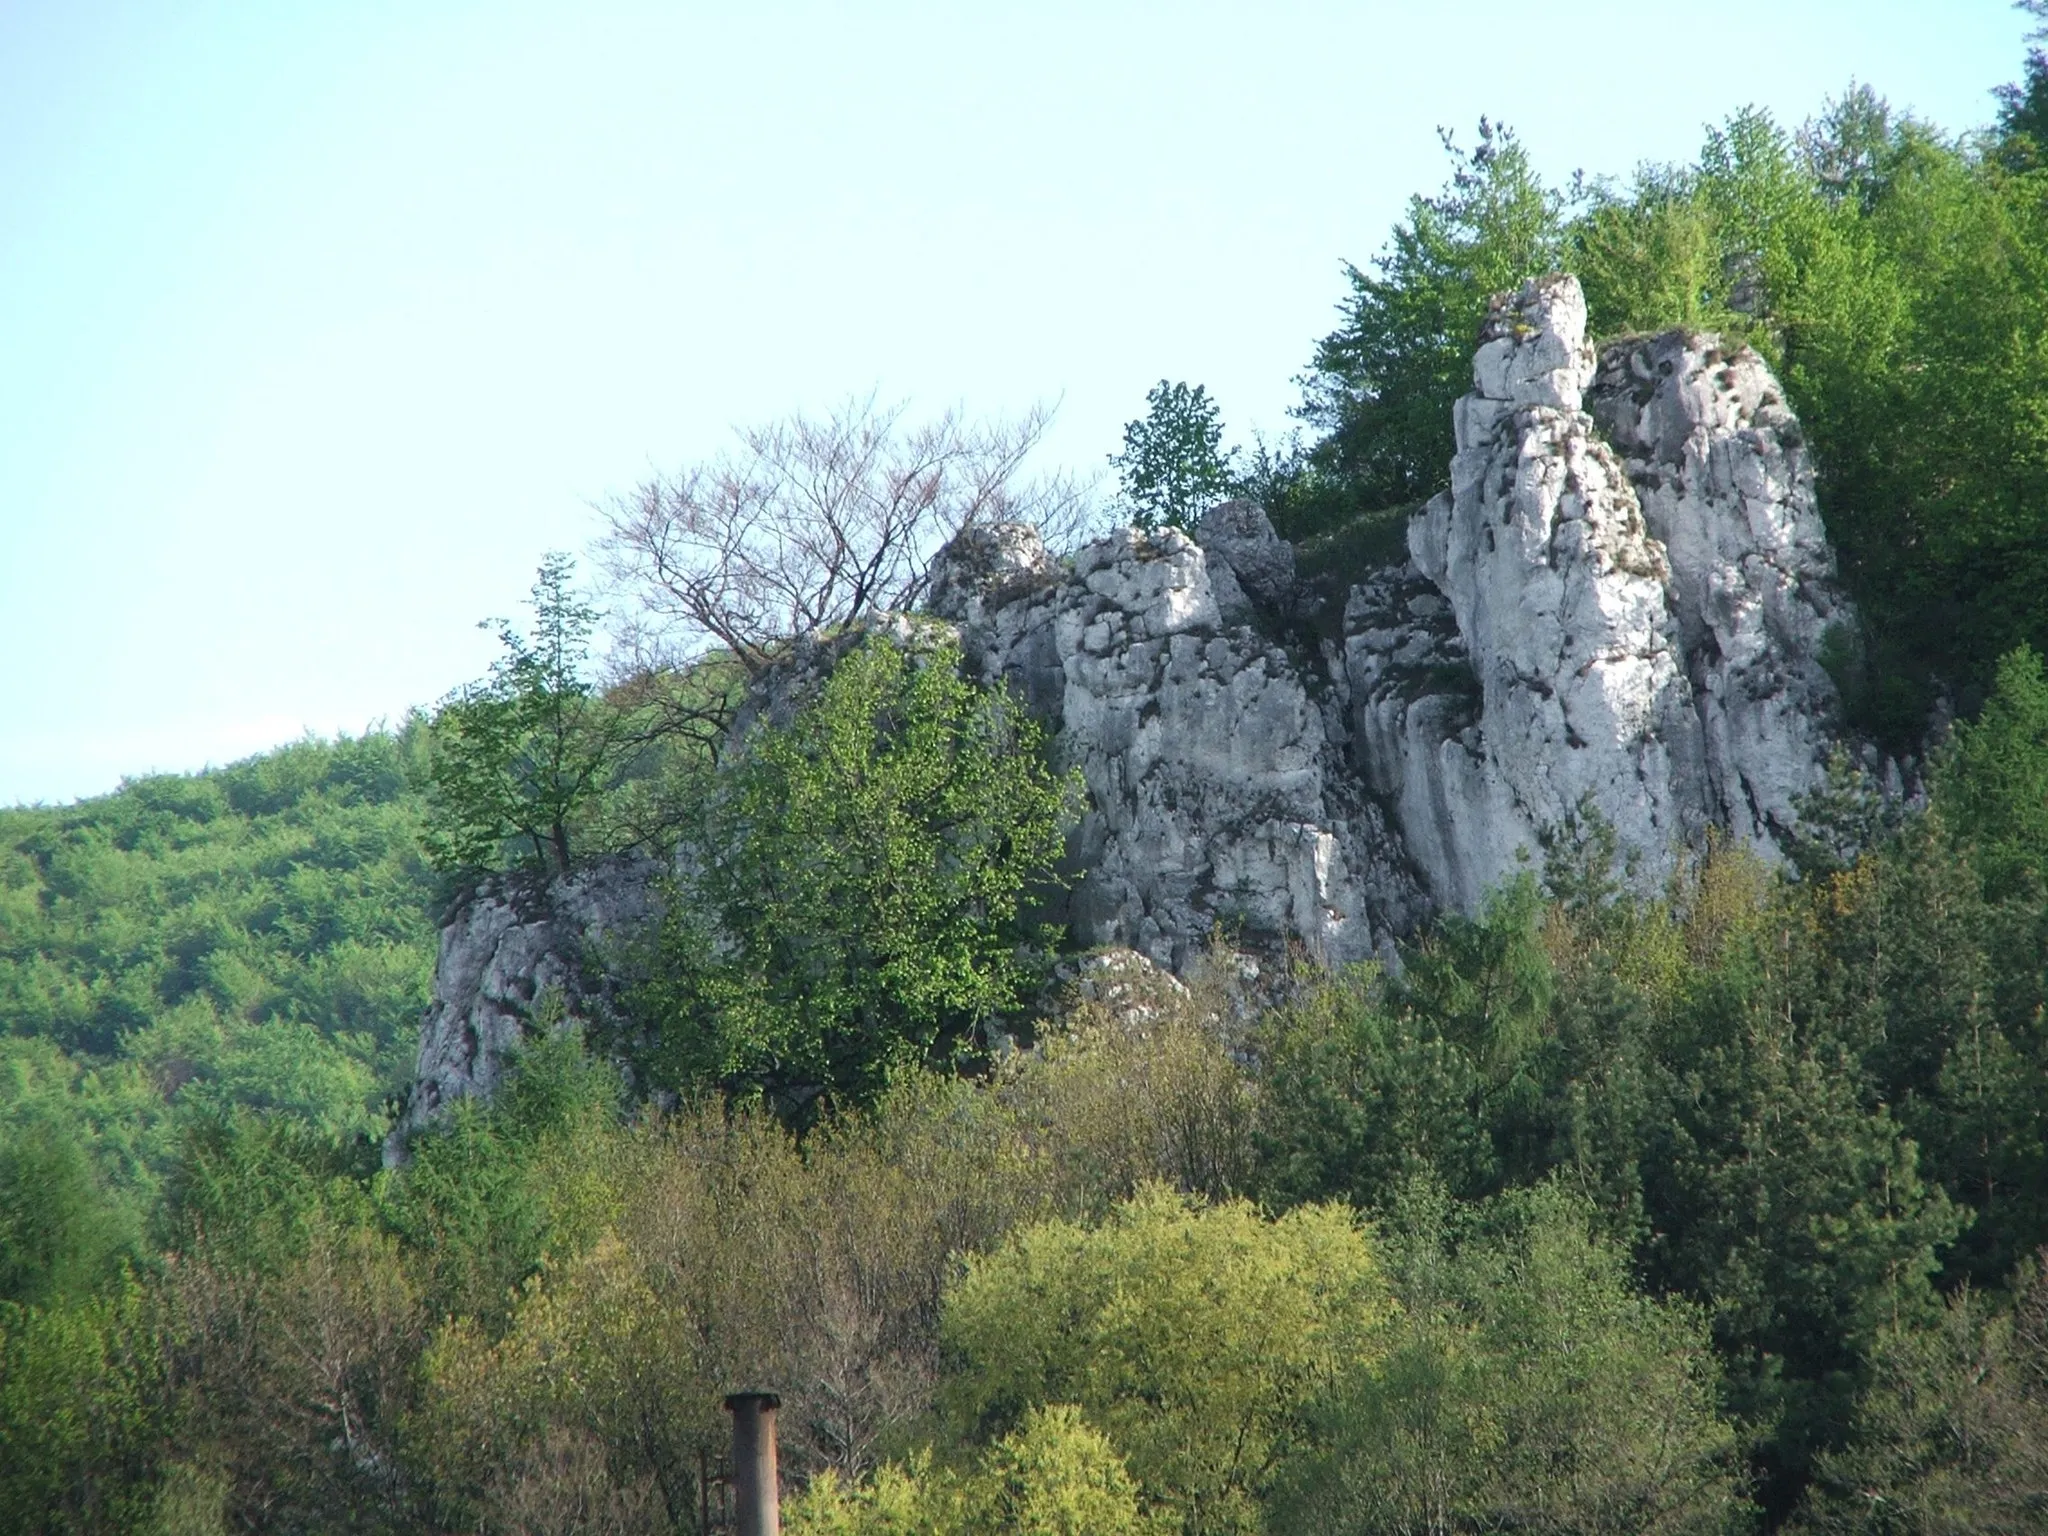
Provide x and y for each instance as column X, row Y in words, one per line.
column 810, row 523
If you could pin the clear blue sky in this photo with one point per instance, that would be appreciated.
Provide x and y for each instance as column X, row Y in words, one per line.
column 320, row 323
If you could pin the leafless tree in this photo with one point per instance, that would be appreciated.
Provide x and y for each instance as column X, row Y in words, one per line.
column 809, row 523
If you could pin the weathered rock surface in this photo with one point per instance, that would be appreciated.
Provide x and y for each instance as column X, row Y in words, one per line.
column 1560, row 594
column 1720, row 468
column 1413, row 723
column 1619, row 604
column 1217, row 795
column 988, row 564
column 508, row 947
column 1121, row 982
column 1617, row 607
column 1638, row 576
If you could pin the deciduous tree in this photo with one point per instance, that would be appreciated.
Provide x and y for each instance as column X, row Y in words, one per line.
column 1196, row 1339
column 520, row 758
column 809, row 523
column 1173, row 467
column 853, row 891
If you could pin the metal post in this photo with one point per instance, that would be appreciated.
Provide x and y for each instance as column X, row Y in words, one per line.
column 756, row 1495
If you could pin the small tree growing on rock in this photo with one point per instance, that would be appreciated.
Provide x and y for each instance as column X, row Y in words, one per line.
column 1173, row 467
column 520, row 757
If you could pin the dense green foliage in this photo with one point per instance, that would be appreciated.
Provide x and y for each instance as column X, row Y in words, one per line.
column 255, row 941
column 1054, row 1475
column 258, row 936
column 1807, row 1107
column 1173, row 467
column 1196, row 1338
column 852, row 888
column 2023, row 107
column 1524, row 1385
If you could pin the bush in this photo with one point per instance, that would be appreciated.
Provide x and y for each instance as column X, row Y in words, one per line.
column 1194, row 1338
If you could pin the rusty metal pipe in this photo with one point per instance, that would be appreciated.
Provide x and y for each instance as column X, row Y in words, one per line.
column 756, row 1494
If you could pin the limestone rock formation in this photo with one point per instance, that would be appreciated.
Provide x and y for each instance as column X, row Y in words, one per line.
column 1248, row 561
column 1619, row 605
column 1412, row 719
column 1120, row 982
column 1720, row 468
column 505, row 951
column 1638, row 576
column 1217, row 793
column 987, row 564
column 1560, row 596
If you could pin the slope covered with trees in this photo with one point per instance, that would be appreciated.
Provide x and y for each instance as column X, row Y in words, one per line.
column 258, row 937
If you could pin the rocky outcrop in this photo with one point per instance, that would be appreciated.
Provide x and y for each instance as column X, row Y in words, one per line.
column 1719, row 465
column 1217, row 794
column 1413, row 723
column 1640, row 585
column 1120, row 983
column 985, row 566
column 517, row 956
column 1560, row 597
column 1619, row 606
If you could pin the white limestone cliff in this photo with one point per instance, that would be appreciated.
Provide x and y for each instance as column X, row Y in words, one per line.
column 1619, row 605
column 1634, row 569
column 1720, row 468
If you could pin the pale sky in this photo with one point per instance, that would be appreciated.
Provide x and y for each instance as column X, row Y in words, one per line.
column 319, row 324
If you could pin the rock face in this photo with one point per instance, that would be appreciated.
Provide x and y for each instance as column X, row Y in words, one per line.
column 1618, row 608
column 1559, row 593
column 509, row 954
column 1643, row 611
column 1719, row 466
column 1217, row 792
column 1619, row 605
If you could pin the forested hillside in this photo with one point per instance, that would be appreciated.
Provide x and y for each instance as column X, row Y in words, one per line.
column 1718, row 1207
column 259, row 938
